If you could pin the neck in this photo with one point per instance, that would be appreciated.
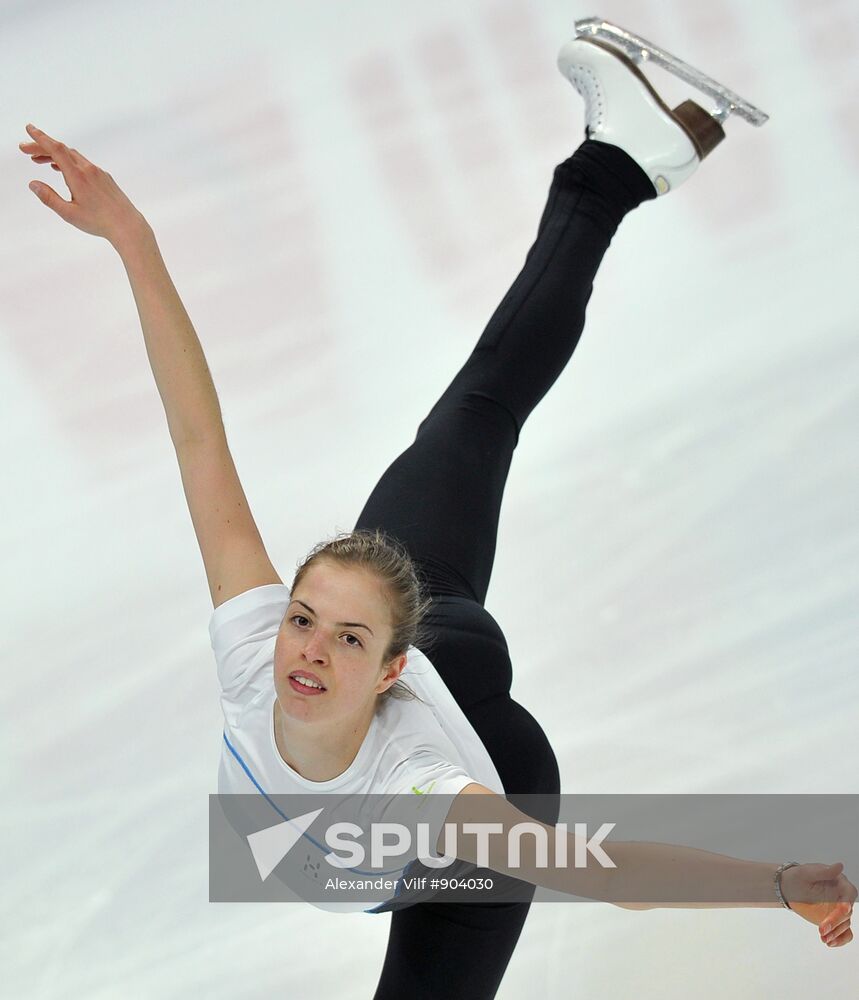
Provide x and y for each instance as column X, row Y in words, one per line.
column 315, row 753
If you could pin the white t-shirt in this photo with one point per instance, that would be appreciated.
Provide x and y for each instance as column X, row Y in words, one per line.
column 430, row 747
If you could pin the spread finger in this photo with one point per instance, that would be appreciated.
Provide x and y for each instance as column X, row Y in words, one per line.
column 57, row 150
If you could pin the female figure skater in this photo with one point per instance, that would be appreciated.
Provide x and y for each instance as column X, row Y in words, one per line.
column 312, row 675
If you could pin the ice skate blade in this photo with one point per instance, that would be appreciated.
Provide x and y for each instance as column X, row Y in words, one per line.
column 639, row 49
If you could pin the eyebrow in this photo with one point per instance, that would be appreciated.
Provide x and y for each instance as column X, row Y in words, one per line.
column 347, row 624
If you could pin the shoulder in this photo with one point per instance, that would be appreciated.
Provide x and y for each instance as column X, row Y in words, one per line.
column 475, row 788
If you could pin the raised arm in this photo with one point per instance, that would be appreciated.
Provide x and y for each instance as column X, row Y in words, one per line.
column 233, row 552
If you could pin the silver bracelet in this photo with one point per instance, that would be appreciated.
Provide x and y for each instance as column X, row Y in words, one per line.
column 777, row 879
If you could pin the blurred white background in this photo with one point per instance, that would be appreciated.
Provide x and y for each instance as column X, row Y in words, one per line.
column 343, row 193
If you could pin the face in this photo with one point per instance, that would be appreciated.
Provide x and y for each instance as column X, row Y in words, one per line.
column 336, row 629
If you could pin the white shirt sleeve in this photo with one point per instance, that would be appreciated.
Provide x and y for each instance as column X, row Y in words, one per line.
column 242, row 632
column 425, row 772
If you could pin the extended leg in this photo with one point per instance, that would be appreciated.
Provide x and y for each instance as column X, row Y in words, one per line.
column 442, row 496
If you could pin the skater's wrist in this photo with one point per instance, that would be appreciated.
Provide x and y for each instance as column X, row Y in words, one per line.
column 135, row 235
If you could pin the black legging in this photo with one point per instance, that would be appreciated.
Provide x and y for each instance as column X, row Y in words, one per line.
column 442, row 497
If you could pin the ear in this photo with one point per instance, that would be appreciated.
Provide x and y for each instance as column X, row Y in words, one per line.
column 394, row 668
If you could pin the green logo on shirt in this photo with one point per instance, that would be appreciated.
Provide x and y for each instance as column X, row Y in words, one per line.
column 417, row 791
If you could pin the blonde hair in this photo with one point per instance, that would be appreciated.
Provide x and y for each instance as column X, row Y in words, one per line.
column 407, row 597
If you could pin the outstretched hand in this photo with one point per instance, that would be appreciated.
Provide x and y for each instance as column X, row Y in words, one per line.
column 823, row 895
column 97, row 206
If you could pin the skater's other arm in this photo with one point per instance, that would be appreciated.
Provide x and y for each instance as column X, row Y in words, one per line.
column 642, row 871
column 233, row 553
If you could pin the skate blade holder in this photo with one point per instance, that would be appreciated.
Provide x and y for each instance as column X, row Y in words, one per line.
column 639, row 50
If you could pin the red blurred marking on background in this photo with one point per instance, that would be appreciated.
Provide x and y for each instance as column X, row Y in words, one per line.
column 480, row 177
column 526, row 59
column 443, row 55
column 515, row 29
column 267, row 242
column 831, row 39
column 459, row 98
column 847, row 123
column 405, row 160
column 375, row 82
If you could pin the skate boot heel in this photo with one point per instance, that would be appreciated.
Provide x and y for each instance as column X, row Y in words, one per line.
column 701, row 127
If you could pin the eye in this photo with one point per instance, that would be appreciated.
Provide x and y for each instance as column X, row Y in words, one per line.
column 354, row 645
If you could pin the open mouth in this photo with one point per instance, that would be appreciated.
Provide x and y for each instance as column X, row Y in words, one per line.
column 305, row 686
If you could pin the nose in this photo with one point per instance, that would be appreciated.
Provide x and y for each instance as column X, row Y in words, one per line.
column 314, row 648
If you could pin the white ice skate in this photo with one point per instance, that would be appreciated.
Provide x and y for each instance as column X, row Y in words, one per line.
column 622, row 108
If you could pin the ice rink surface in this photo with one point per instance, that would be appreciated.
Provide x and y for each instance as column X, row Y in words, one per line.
column 343, row 193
